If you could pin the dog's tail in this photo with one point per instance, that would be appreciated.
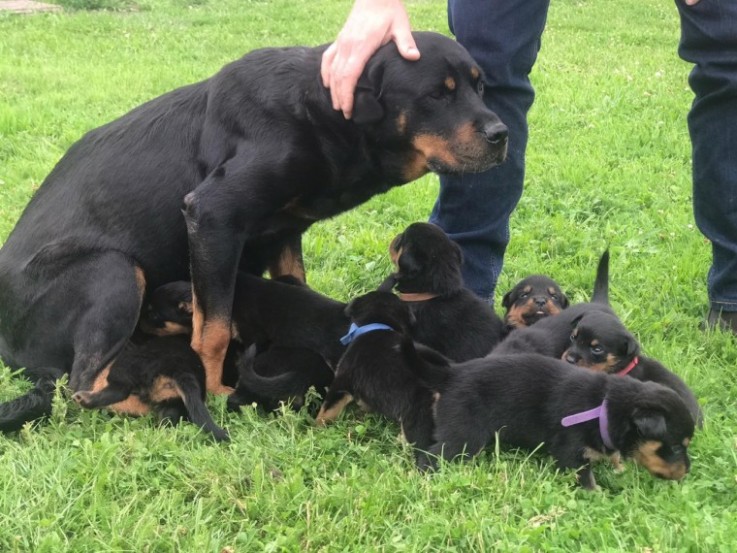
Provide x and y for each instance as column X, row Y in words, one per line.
column 277, row 387
column 34, row 404
column 190, row 391
column 601, row 284
column 431, row 368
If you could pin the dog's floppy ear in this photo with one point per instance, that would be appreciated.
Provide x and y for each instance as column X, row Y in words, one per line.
column 632, row 346
column 563, row 300
column 574, row 322
column 649, row 422
column 348, row 310
column 367, row 107
column 409, row 264
column 507, row 300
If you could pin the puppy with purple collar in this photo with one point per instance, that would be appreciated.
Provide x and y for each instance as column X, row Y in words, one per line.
column 577, row 415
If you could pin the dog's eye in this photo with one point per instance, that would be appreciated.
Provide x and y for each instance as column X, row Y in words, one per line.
column 523, row 295
column 597, row 350
column 573, row 337
column 480, row 87
column 554, row 296
column 438, row 94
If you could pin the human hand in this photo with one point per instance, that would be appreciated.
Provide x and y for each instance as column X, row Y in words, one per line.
column 370, row 25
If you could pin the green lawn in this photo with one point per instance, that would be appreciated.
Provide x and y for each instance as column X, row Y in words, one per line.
column 608, row 164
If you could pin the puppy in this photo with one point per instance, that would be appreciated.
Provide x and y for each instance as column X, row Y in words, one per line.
column 531, row 299
column 163, row 374
column 374, row 373
column 550, row 336
column 279, row 375
column 448, row 317
column 579, row 415
column 598, row 343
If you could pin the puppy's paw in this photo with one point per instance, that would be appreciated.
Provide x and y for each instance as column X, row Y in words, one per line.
column 221, row 390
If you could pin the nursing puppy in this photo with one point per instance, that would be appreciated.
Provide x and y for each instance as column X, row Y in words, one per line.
column 599, row 344
column 531, row 299
column 163, row 375
column 579, row 415
column 448, row 317
column 373, row 370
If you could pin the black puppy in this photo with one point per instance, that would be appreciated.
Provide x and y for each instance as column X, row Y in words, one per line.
column 163, row 374
column 579, row 415
column 599, row 343
column 279, row 375
column 550, row 336
column 531, row 299
column 449, row 318
column 281, row 371
column 373, row 370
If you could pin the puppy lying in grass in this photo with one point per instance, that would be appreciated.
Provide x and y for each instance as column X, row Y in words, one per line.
column 448, row 317
column 163, row 375
column 579, row 415
column 374, row 373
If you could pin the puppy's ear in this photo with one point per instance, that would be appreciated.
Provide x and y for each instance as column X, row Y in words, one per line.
column 348, row 311
column 367, row 107
column 563, row 300
column 649, row 422
column 409, row 264
column 574, row 322
column 507, row 300
column 632, row 346
column 458, row 253
column 388, row 285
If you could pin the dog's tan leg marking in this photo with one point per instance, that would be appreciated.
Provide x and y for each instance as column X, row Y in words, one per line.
column 210, row 341
column 328, row 415
column 164, row 388
column 289, row 263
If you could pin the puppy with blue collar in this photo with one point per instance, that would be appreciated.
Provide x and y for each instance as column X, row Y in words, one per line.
column 374, row 373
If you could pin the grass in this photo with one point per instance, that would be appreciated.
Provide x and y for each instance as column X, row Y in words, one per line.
column 608, row 163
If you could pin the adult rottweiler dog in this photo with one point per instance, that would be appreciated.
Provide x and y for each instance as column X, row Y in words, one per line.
column 579, row 415
column 531, row 299
column 599, row 343
column 253, row 156
column 374, row 373
column 448, row 317
column 162, row 374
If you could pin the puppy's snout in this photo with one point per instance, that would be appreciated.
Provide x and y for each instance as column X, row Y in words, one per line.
column 495, row 132
column 540, row 302
column 570, row 357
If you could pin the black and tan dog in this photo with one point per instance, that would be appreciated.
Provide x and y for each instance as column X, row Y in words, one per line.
column 579, row 415
column 531, row 299
column 374, row 373
column 448, row 317
column 550, row 336
column 278, row 376
column 599, row 343
column 163, row 375
column 256, row 154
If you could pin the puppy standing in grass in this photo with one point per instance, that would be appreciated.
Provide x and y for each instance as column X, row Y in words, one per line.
column 374, row 373
column 448, row 317
column 579, row 415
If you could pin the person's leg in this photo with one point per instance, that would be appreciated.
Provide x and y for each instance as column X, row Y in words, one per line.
column 503, row 36
column 709, row 39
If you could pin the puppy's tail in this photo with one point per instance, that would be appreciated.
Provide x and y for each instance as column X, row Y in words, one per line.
column 431, row 368
column 601, row 284
column 190, row 391
column 34, row 404
column 277, row 387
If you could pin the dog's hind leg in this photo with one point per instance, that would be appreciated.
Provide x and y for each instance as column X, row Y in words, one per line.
column 110, row 289
column 336, row 400
column 32, row 405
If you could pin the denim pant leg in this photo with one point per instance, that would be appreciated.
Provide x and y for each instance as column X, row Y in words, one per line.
column 503, row 36
column 709, row 39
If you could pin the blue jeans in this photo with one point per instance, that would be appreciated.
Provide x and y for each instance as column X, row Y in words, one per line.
column 709, row 39
column 503, row 36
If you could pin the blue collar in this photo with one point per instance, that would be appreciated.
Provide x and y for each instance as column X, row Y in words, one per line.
column 355, row 331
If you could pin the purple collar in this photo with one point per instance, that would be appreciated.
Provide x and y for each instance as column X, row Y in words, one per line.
column 600, row 413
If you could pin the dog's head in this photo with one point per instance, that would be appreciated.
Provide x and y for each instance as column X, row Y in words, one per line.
column 168, row 310
column 654, row 426
column 431, row 109
column 532, row 299
column 599, row 341
column 380, row 307
column 426, row 260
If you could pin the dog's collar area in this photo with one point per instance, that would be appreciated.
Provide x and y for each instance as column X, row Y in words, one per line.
column 600, row 413
column 628, row 368
column 419, row 296
column 355, row 331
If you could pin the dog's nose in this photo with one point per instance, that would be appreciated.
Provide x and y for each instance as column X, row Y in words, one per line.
column 571, row 358
column 495, row 132
column 541, row 302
